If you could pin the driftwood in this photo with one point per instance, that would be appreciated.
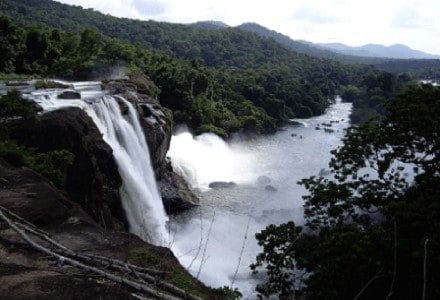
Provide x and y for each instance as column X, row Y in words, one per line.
column 143, row 279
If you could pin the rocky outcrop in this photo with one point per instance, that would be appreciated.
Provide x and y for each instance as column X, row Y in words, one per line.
column 176, row 194
column 69, row 94
column 28, row 274
column 222, row 184
column 93, row 179
column 140, row 90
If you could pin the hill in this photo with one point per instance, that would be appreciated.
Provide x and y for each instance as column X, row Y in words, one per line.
column 373, row 50
column 396, row 58
column 220, row 80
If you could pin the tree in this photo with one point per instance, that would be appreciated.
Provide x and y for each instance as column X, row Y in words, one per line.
column 13, row 107
column 373, row 230
column 350, row 93
column 11, row 43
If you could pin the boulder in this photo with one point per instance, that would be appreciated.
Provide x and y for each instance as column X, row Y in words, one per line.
column 222, row 184
column 270, row 188
column 176, row 194
column 69, row 94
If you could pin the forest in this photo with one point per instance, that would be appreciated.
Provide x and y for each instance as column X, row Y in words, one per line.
column 252, row 91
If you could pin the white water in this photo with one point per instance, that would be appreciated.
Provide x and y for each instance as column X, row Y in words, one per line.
column 139, row 193
column 215, row 239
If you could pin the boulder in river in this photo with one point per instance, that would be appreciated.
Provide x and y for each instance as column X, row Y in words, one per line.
column 222, row 184
column 270, row 188
column 69, row 95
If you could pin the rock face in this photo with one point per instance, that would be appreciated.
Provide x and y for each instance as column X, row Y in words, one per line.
column 140, row 90
column 26, row 273
column 92, row 180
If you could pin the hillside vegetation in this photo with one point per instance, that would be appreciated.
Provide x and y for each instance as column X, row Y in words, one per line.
column 212, row 77
column 215, row 80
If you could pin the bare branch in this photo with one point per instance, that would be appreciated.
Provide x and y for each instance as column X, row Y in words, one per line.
column 425, row 271
column 63, row 253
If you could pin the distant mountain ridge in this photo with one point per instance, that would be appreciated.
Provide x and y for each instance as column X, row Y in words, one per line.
column 209, row 25
column 215, row 43
column 374, row 50
column 297, row 46
column 341, row 51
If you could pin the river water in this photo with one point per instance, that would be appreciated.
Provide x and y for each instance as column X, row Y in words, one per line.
column 216, row 241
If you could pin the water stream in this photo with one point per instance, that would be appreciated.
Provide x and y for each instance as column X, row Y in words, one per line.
column 216, row 241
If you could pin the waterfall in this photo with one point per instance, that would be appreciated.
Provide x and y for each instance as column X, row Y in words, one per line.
column 122, row 132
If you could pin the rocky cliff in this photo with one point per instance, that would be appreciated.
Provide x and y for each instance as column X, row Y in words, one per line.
column 93, row 180
column 26, row 273
column 87, row 217
column 140, row 90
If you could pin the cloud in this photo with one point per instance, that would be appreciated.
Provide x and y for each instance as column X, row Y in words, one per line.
column 416, row 16
column 316, row 15
column 150, row 7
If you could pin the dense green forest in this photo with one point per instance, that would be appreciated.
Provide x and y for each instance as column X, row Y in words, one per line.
column 233, row 80
column 421, row 68
column 214, row 77
column 215, row 43
column 208, row 99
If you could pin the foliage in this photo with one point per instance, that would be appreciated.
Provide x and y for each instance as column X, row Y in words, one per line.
column 370, row 228
column 216, row 70
column 278, row 259
column 13, row 109
column 50, row 164
column 227, row 293
column 371, row 94
column 211, row 42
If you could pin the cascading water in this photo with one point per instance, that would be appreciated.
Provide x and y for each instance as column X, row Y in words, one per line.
column 139, row 193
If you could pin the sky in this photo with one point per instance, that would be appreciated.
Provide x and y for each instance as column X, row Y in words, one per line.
column 415, row 23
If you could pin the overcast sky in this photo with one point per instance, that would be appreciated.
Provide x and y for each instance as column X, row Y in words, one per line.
column 415, row 23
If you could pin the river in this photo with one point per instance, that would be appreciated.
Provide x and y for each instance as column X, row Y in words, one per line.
column 216, row 241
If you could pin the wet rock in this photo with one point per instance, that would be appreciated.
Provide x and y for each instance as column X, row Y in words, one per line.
column 69, row 95
column 270, row 188
column 176, row 194
column 222, row 184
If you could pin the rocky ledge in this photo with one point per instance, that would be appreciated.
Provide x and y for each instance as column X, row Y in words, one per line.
column 29, row 274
